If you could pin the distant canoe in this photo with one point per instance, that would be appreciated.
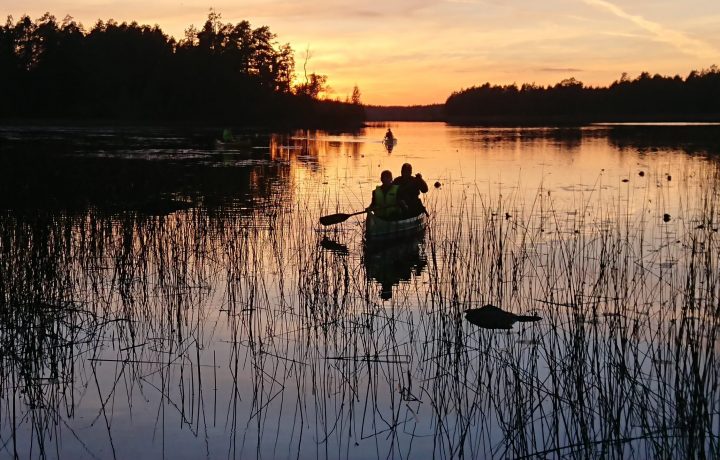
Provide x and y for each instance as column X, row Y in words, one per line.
column 390, row 141
column 380, row 230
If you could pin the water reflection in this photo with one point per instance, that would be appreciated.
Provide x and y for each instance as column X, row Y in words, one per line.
column 231, row 328
column 566, row 139
column 390, row 263
column 389, row 144
column 691, row 139
column 56, row 173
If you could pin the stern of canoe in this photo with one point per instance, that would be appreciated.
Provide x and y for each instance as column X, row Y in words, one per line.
column 379, row 230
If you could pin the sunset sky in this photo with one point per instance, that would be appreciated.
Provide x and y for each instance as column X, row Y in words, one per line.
column 404, row 52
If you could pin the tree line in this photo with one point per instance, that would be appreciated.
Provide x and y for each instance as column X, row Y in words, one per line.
column 431, row 112
column 223, row 72
column 647, row 97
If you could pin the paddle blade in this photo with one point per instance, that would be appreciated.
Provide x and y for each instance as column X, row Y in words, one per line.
column 333, row 219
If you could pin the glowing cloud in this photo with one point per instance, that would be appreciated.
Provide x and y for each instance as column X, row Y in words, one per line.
column 679, row 40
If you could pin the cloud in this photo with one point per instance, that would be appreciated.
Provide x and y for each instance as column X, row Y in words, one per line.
column 340, row 10
column 679, row 40
column 559, row 69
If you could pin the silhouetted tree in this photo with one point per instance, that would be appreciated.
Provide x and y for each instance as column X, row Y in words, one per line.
column 355, row 98
column 434, row 112
column 315, row 85
column 647, row 97
column 223, row 71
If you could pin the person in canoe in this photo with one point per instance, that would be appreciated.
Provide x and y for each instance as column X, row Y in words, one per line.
column 385, row 203
column 409, row 189
column 389, row 137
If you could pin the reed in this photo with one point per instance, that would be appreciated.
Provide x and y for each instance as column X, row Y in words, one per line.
column 230, row 330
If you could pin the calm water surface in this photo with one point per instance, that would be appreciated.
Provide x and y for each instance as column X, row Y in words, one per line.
column 161, row 297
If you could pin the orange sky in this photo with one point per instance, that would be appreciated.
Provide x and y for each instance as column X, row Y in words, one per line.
column 419, row 51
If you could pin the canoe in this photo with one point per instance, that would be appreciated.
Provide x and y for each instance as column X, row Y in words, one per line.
column 390, row 141
column 380, row 230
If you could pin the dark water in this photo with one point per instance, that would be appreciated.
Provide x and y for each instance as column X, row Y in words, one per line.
column 163, row 296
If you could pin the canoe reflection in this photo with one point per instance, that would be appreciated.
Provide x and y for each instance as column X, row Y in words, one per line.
column 390, row 263
column 390, row 144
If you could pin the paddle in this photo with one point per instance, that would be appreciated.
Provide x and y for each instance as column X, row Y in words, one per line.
column 333, row 219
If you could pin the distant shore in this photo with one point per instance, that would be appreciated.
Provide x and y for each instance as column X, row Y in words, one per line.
column 374, row 114
column 434, row 114
column 577, row 120
column 201, row 125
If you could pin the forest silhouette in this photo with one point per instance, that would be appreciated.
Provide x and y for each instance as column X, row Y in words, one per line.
column 645, row 98
column 223, row 72
column 240, row 75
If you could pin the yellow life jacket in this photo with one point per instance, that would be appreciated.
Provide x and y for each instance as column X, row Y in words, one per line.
column 386, row 203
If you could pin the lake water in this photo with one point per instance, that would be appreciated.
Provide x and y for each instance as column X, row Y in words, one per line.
column 165, row 297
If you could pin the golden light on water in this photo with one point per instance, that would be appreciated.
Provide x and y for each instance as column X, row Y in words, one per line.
column 211, row 304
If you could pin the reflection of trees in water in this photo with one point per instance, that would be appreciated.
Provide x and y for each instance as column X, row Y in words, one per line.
column 311, row 147
column 567, row 139
column 143, row 175
column 647, row 139
column 702, row 139
column 242, row 332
